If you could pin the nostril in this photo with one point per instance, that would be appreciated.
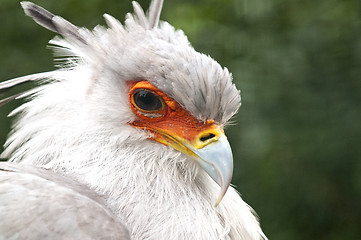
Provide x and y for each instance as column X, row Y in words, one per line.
column 206, row 137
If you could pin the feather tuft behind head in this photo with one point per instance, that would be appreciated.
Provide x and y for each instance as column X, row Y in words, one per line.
column 142, row 48
column 63, row 27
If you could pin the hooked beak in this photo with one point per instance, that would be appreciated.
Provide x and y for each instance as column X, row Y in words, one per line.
column 209, row 148
column 217, row 160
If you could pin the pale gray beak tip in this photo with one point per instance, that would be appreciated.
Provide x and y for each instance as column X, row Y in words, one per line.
column 217, row 160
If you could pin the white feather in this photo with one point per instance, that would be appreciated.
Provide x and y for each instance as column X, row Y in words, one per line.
column 77, row 124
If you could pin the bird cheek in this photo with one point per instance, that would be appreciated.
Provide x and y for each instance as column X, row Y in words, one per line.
column 181, row 128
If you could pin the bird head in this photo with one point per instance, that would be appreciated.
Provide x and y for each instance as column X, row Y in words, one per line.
column 145, row 76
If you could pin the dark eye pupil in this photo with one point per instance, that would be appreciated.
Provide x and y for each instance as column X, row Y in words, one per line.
column 147, row 101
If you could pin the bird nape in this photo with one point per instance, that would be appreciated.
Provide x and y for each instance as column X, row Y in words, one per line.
column 124, row 140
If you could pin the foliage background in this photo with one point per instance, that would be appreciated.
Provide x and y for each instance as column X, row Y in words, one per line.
column 297, row 139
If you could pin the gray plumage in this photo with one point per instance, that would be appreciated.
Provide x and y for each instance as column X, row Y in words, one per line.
column 78, row 132
column 52, row 206
column 52, row 22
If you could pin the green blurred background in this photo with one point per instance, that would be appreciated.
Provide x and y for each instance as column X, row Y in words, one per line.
column 298, row 63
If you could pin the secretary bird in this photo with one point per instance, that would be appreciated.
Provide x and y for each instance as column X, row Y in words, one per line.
column 124, row 140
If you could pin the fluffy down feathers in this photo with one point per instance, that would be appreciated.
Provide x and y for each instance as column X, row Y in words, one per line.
column 76, row 125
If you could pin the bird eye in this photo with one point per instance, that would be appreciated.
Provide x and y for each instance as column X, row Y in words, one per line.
column 147, row 101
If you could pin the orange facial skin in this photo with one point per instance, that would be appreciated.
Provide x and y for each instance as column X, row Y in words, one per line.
column 172, row 125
